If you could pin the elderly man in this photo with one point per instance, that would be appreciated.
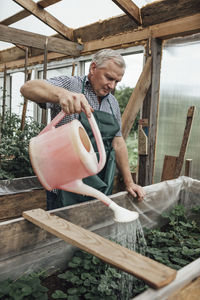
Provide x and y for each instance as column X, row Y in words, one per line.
column 78, row 97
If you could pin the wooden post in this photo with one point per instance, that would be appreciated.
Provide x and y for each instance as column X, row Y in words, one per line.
column 73, row 69
column 3, row 107
column 44, row 111
column 25, row 100
column 150, row 112
column 188, row 167
column 4, row 96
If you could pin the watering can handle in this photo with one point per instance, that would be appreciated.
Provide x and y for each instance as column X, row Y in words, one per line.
column 54, row 122
column 100, row 145
column 95, row 130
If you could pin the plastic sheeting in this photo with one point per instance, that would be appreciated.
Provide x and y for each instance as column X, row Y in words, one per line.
column 179, row 89
column 161, row 197
column 19, row 185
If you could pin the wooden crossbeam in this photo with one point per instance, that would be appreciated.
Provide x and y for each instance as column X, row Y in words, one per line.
column 136, row 99
column 25, row 13
column 154, row 273
column 130, row 8
column 182, row 26
column 29, row 39
column 46, row 17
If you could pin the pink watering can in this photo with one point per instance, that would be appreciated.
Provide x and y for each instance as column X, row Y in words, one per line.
column 61, row 157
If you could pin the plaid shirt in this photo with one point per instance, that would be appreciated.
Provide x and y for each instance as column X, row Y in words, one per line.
column 74, row 84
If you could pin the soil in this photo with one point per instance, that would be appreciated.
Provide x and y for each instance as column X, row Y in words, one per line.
column 54, row 283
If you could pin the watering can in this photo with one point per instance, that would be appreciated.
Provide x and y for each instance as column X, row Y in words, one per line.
column 61, row 157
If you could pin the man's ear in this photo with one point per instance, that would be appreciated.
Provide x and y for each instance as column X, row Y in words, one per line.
column 93, row 67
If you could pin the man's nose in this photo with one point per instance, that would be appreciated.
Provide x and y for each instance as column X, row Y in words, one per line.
column 111, row 85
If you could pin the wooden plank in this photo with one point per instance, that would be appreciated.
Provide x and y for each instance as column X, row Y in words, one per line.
column 162, row 11
column 46, row 17
column 104, row 28
column 169, row 166
column 186, row 135
column 190, row 291
column 184, row 276
column 24, row 13
column 26, row 38
column 13, row 205
column 130, row 8
column 142, row 141
column 188, row 167
column 136, row 99
column 182, row 26
column 155, row 274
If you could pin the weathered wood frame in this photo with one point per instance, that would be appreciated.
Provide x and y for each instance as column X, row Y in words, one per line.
column 157, row 21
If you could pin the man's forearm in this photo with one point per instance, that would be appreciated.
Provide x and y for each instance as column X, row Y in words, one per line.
column 40, row 91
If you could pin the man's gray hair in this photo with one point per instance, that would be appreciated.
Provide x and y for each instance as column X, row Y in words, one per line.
column 103, row 56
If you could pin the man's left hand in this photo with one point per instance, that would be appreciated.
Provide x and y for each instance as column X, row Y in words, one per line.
column 136, row 191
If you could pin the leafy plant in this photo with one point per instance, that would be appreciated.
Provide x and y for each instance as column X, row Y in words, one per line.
column 14, row 154
column 88, row 277
column 25, row 288
column 177, row 243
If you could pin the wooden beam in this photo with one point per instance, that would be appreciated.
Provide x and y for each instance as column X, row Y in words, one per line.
column 181, row 27
column 46, row 17
column 26, row 38
column 166, row 10
column 13, row 205
column 152, row 272
column 130, row 9
column 136, row 99
column 25, row 13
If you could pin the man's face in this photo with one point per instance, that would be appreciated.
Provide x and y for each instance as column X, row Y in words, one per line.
column 105, row 78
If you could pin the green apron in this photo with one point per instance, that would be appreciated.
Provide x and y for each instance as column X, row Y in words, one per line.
column 103, row 181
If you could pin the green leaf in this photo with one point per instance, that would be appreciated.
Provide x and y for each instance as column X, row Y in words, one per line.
column 73, row 291
column 58, row 294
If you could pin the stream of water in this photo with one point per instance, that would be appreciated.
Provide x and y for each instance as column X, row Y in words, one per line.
column 131, row 236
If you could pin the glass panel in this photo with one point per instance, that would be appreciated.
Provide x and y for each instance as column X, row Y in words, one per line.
column 7, row 93
column 179, row 89
column 134, row 65
column 17, row 99
column 66, row 71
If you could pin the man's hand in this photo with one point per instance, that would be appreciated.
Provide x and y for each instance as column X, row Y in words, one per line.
column 136, row 191
column 71, row 103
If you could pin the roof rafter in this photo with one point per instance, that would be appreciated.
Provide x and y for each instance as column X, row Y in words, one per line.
column 179, row 27
column 29, row 39
column 25, row 13
column 46, row 17
column 131, row 9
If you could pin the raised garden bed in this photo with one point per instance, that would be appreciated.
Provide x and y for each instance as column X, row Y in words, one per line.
column 27, row 248
column 20, row 194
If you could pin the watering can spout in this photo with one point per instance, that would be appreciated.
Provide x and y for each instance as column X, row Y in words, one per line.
column 121, row 215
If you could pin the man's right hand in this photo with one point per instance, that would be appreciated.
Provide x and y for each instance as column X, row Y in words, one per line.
column 71, row 103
